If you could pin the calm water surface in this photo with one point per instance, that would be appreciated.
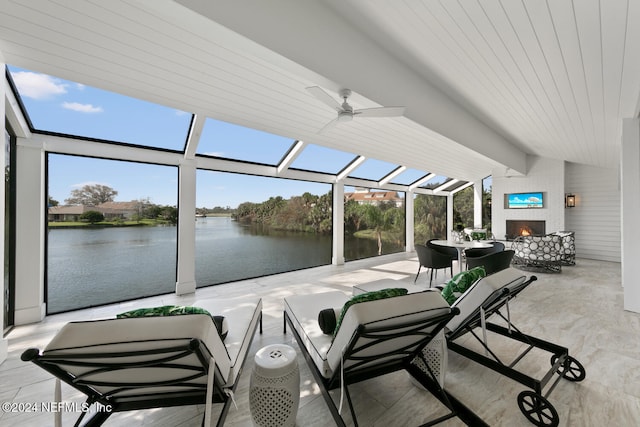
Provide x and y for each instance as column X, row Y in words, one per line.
column 88, row 267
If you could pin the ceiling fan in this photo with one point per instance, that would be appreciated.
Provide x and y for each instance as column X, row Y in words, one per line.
column 346, row 112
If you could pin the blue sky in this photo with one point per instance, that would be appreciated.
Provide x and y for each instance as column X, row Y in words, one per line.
column 66, row 107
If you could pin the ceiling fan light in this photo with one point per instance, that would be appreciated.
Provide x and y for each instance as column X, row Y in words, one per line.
column 345, row 116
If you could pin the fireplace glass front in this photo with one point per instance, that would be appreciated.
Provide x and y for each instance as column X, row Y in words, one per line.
column 519, row 227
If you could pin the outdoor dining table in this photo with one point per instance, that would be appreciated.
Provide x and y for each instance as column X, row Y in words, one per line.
column 461, row 246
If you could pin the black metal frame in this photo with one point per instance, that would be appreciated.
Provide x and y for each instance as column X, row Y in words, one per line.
column 120, row 399
column 561, row 362
column 380, row 363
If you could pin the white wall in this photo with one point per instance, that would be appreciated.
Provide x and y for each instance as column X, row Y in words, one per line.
column 630, row 206
column 3, row 342
column 30, row 228
column 546, row 175
column 596, row 217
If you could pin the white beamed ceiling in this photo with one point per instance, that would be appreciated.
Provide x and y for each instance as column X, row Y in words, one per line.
column 484, row 82
column 557, row 75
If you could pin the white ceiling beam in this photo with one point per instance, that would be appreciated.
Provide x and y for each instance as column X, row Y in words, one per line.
column 14, row 114
column 421, row 181
column 462, row 187
column 350, row 168
column 445, row 185
column 291, row 156
column 193, row 139
column 392, row 175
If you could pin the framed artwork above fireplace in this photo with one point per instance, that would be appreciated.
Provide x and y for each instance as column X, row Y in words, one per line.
column 534, row 200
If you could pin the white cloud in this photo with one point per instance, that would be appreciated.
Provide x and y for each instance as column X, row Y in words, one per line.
column 38, row 86
column 81, row 108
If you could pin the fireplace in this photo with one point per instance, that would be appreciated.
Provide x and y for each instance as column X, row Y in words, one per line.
column 521, row 227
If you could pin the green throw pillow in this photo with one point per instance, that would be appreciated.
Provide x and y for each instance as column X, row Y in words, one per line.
column 178, row 310
column 165, row 310
column 368, row 296
column 478, row 235
column 461, row 282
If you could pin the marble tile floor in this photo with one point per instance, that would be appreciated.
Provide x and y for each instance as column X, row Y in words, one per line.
column 581, row 308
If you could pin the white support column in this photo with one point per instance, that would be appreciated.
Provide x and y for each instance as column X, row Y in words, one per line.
column 477, row 204
column 449, row 215
column 630, row 206
column 186, row 281
column 3, row 207
column 337, row 251
column 30, row 229
column 409, row 221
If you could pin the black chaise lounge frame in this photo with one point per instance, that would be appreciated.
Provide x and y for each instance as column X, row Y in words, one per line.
column 175, row 354
column 374, row 365
column 170, row 356
column 533, row 404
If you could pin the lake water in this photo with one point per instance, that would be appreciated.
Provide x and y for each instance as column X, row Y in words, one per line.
column 88, row 267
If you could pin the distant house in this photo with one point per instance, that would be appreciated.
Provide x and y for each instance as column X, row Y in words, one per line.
column 110, row 210
column 367, row 197
column 122, row 210
column 66, row 213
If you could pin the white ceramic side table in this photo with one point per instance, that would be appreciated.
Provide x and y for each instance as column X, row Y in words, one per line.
column 274, row 392
column 436, row 356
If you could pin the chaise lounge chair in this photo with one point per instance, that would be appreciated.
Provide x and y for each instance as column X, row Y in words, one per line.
column 153, row 362
column 489, row 298
column 375, row 337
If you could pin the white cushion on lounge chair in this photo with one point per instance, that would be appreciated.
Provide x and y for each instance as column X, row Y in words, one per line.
column 156, row 333
column 303, row 311
column 327, row 354
column 477, row 294
column 242, row 315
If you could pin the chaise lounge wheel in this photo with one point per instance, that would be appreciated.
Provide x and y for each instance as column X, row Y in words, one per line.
column 537, row 409
column 575, row 371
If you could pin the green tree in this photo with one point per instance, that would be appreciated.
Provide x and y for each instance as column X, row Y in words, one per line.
column 486, row 207
column 308, row 213
column 375, row 221
column 354, row 216
column 152, row 211
column 430, row 217
column 463, row 209
column 320, row 214
column 92, row 217
column 387, row 222
column 170, row 214
column 91, row 195
column 394, row 220
column 246, row 212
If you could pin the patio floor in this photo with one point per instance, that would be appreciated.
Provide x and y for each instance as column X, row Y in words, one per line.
column 581, row 308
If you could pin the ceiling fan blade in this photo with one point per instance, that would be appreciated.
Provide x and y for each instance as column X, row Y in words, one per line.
column 380, row 112
column 328, row 126
column 324, row 97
